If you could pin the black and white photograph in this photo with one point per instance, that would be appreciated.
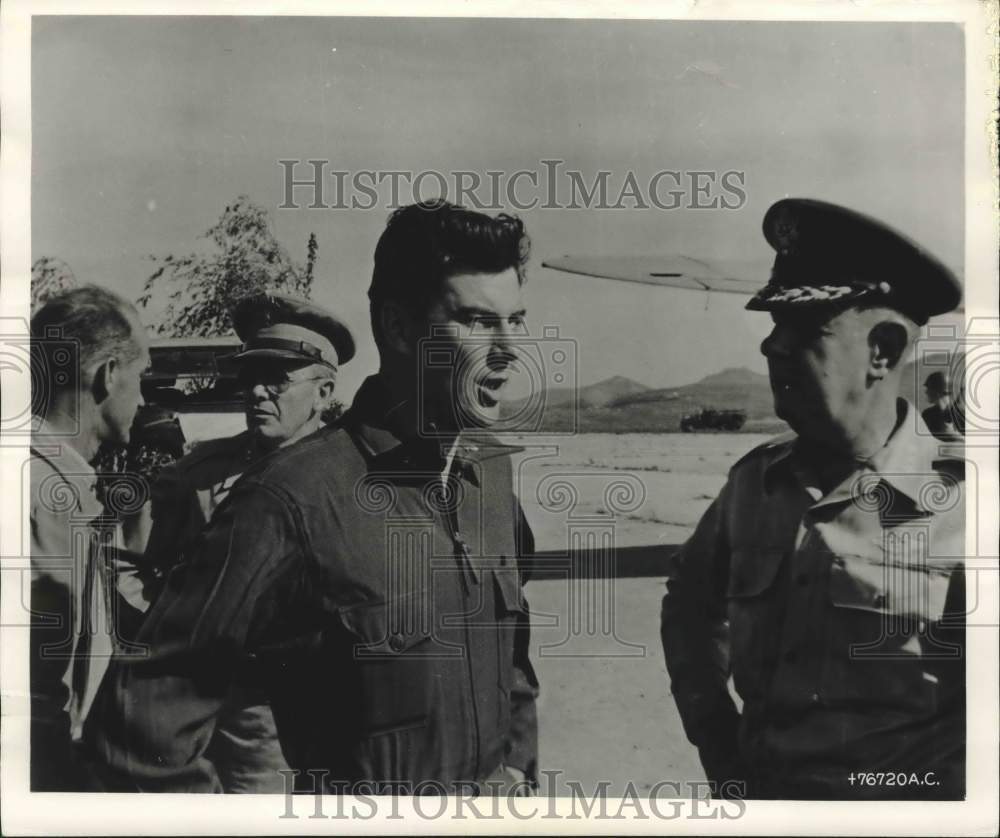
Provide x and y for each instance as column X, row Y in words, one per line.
column 460, row 420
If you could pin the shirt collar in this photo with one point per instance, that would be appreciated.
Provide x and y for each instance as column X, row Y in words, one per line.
column 906, row 461
column 387, row 431
column 54, row 445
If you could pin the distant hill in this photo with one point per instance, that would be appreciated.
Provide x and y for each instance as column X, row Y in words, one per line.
column 610, row 391
column 620, row 405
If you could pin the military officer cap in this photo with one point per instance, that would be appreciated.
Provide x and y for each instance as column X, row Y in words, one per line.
column 281, row 327
column 831, row 255
column 938, row 381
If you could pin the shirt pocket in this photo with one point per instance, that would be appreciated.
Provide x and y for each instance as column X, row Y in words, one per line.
column 883, row 641
column 393, row 654
column 751, row 593
column 912, row 592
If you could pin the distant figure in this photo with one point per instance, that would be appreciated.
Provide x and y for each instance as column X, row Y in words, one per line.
column 940, row 416
column 287, row 372
column 88, row 350
column 827, row 576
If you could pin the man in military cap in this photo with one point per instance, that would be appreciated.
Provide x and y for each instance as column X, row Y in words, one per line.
column 369, row 575
column 827, row 577
column 940, row 415
column 287, row 370
column 287, row 366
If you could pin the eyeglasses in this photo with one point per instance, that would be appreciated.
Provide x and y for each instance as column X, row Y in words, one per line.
column 274, row 381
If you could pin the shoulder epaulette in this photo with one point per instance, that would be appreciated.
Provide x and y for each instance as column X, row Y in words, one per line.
column 768, row 448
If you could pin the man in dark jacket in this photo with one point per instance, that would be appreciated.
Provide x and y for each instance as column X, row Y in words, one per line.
column 941, row 415
column 828, row 575
column 287, row 368
column 370, row 576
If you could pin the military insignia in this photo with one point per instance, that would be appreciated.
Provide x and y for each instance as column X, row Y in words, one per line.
column 786, row 230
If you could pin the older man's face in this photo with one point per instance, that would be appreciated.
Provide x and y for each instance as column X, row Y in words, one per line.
column 282, row 400
column 818, row 364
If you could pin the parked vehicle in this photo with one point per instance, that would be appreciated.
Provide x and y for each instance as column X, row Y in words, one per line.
column 712, row 419
column 194, row 378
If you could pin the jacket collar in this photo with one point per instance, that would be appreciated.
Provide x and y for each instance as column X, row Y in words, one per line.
column 387, row 432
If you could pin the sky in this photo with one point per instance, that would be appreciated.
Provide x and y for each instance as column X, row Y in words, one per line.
column 144, row 128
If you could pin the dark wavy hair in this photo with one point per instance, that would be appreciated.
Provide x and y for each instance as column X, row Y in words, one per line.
column 423, row 244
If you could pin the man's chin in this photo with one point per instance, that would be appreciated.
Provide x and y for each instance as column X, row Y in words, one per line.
column 262, row 430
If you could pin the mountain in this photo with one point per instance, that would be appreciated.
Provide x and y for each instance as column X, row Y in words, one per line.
column 620, row 405
column 610, row 391
column 600, row 394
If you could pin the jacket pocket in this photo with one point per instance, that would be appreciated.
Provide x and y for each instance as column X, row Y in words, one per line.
column 751, row 592
column 393, row 656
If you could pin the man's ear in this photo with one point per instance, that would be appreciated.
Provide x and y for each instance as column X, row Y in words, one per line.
column 888, row 342
column 103, row 379
column 397, row 327
column 324, row 394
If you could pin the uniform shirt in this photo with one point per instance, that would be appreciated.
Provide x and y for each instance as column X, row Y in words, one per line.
column 186, row 493
column 245, row 750
column 71, row 634
column 838, row 615
column 385, row 617
column 941, row 422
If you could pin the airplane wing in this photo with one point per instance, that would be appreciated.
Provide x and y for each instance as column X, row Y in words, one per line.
column 672, row 271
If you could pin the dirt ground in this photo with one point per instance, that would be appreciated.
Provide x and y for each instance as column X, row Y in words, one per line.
column 606, row 713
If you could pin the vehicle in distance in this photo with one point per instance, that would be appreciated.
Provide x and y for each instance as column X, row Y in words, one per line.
column 712, row 419
column 196, row 379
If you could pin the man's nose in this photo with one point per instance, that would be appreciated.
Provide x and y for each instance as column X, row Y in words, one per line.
column 778, row 344
column 502, row 346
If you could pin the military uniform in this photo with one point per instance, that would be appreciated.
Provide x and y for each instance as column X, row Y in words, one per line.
column 186, row 493
column 839, row 615
column 831, row 590
column 384, row 617
column 245, row 750
column 942, row 421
